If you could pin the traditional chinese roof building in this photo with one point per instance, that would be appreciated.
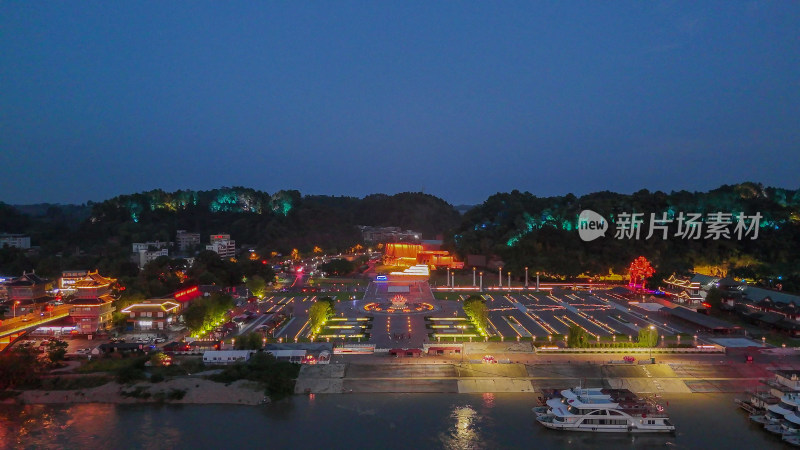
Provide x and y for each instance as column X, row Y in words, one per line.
column 28, row 288
column 684, row 290
column 93, row 285
column 92, row 306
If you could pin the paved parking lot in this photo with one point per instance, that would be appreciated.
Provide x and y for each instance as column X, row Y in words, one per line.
column 600, row 313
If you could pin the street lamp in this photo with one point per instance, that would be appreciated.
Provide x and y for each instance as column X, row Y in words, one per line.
column 509, row 281
column 500, row 282
column 526, row 277
column 15, row 308
column 473, row 276
column 537, row 281
column 481, row 289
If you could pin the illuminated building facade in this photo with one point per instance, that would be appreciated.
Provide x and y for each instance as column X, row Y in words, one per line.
column 402, row 254
column 66, row 284
column 187, row 294
column 92, row 306
column 223, row 245
column 151, row 315
column 686, row 290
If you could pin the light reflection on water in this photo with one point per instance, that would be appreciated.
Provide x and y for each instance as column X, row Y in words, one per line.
column 386, row 421
column 463, row 433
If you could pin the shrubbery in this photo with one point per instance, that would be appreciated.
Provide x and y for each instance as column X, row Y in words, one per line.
column 278, row 377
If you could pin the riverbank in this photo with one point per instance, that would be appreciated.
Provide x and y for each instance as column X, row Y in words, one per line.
column 468, row 378
column 420, row 377
column 188, row 390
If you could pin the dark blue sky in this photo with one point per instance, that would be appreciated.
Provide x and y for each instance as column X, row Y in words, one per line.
column 459, row 99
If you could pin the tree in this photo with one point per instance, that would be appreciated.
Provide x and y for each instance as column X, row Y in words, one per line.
column 160, row 359
column 475, row 308
column 640, row 271
column 337, row 267
column 577, row 337
column 648, row 336
column 205, row 312
column 714, row 298
column 19, row 367
column 318, row 314
column 249, row 341
column 257, row 286
column 56, row 350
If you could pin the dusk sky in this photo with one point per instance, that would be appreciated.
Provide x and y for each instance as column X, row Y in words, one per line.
column 458, row 99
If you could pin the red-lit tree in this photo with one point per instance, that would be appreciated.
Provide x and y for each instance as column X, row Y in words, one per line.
column 640, row 270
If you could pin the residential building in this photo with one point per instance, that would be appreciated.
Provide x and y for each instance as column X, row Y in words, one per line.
column 15, row 240
column 157, row 245
column 186, row 241
column 223, row 245
column 376, row 235
column 151, row 315
column 145, row 256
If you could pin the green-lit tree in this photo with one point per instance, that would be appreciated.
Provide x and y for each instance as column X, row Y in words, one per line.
column 318, row 313
column 577, row 337
column 257, row 286
column 648, row 336
column 475, row 308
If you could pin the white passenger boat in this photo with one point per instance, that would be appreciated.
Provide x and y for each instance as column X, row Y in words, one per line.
column 604, row 411
column 782, row 418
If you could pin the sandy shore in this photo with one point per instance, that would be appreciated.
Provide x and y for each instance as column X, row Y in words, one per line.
column 198, row 391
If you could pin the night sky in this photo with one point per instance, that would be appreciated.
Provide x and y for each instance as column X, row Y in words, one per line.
column 457, row 99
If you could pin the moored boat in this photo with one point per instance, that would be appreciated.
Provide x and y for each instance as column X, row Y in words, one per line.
column 604, row 411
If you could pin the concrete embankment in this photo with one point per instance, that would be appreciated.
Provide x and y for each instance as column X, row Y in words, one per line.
column 479, row 378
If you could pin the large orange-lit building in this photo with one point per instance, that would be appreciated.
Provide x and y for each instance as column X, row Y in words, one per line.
column 92, row 306
column 402, row 254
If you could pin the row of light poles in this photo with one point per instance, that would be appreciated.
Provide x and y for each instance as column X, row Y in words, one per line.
column 479, row 281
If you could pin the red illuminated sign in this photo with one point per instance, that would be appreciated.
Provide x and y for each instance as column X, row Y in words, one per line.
column 187, row 294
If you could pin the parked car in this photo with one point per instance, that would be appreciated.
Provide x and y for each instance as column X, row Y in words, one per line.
column 84, row 351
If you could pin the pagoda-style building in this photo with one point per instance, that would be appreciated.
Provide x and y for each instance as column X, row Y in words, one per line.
column 92, row 305
column 29, row 288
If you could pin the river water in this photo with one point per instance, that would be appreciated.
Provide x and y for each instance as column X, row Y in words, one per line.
column 362, row 421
